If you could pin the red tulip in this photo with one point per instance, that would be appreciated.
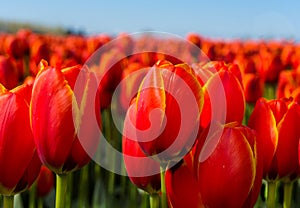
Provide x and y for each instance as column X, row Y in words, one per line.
column 45, row 182
column 168, row 102
column 270, row 66
column 182, row 186
column 8, row 73
column 39, row 49
column 196, row 40
column 299, row 158
column 132, row 77
column 15, row 46
column 251, row 137
column 110, row 73
column 296, row 95
column 59, row 120
column 142, row 170
column 19, row 161
column 276, row 123
column 224, row 87
column 288, row 84
column 253, row 87
column 246, row 64
column 226, row 176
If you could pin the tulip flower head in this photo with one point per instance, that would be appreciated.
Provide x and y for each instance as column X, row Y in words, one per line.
column 276, row 123
column 169, row 102
column 59, row 115
column 227, row 176
column 19, row 161
column 45, row 182
column 142, row 170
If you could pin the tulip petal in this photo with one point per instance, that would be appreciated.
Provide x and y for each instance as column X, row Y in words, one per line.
column 16, row 140
column 182, row 188
column 142, row 170
column 288, row 139
column 151, row 107
column 51, row 116
column 263, row 122
column 230, row 167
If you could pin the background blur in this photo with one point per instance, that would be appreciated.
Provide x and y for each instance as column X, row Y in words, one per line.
column 217, row 19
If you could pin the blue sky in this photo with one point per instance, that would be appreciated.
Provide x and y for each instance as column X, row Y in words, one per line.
column 218, row 19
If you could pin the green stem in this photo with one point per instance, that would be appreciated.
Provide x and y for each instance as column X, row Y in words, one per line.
column 133, row 196
column 32, row 196
column 112, row 176
column 163, row 188
column 270, row 91
column 287, row 197
column 40, row 202
column 271, row 200
column 96, row 197
column 61, row 190
column 145, row 198
column 83, row 187
column 8, row 201
column 248, row 111
column 68, row 200
column 154, row 200
column 108, row 135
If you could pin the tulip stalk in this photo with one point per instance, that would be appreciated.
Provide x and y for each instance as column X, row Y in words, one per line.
column 271, row 199
column 32, row 196
column 287, row 197
column 133, row 194
column 40, row 202
column 68, row 200
column 108, row 135
column 163, row 188
column 61, row 190
column 145, row 198
column 8, row 201
column 83, row 187
column 154, row 201
column 248, row 111
column 270, row 91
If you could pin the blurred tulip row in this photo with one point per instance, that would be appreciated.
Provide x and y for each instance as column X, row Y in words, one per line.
column 215, row 126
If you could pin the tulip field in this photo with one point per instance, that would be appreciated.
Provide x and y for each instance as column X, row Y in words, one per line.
column 148, row 120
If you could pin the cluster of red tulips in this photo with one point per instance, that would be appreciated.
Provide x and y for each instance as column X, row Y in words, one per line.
column 197, row 132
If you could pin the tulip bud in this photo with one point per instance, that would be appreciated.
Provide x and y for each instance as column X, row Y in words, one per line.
column 61, row 116
column 227, row 175
column 182, row 186
column 19, row 162
column 16, row 47
column 253, row 87
column 276, row 123
column 8, row 73
column 142, row 170
column 45, row 182
column 169, row 102
column 226, row 79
